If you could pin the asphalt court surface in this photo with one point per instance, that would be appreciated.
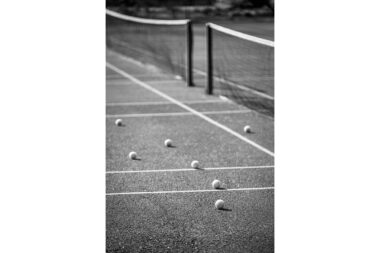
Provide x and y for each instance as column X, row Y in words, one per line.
column 159, row 203
column 187, row 222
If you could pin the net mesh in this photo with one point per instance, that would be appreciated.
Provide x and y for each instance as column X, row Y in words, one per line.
column 161, row 45
column 243, row 70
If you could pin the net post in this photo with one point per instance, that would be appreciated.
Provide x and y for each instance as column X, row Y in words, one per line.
column 189, row 54
column 209, row 86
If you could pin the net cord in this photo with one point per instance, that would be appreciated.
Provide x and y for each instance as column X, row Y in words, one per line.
column 241, row 35
column 147, row 21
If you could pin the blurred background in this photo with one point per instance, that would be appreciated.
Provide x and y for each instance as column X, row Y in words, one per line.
column 197, row 10
column 242, row 70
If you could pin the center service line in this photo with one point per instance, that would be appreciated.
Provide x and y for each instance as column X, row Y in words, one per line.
column 189, row 191
column 148, row 87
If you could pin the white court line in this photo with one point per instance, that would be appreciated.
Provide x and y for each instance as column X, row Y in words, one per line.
column 190, row 191
column 199, row 114
column 133, row 83
column 192, row 169
column 165, row 114
column 138, row 115
column 168, row 103
column 148, row 75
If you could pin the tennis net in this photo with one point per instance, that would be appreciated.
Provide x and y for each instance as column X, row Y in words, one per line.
column 241, row 67
column 166, row 44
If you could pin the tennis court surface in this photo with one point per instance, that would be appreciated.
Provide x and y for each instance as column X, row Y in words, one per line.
column 158, row 202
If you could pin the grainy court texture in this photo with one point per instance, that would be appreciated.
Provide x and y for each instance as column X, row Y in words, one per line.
column 189, row 127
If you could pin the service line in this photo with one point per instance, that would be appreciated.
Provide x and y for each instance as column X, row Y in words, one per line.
column 189, row 102
column 190, row 169
column 162, row 114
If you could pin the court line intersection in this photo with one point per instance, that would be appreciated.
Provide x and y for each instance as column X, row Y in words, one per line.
column 197, row 113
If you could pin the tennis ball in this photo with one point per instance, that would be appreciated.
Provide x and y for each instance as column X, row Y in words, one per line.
column 118, row 122
column 132, row 155
column 216, row 184
column 247, row 129
column 168, row 143
column 219, row 204
column 195, row 164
